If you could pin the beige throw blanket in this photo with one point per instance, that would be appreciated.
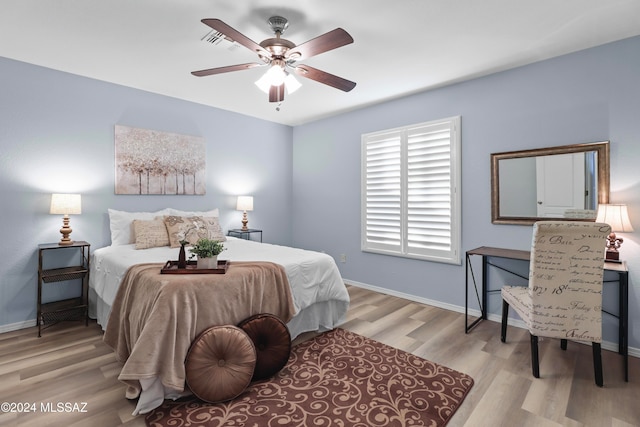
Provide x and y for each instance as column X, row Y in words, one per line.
column 155, row 317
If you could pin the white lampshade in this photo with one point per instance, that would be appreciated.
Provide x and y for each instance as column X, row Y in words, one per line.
column 65, row 204
column 616, row 216
column 245, row 203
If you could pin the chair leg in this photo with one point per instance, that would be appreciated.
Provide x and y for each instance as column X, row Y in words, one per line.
column 597, row 363
column 535, row 363
column 563, row 344
column 505, row 315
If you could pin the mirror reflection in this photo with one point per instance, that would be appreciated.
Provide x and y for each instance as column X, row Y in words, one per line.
column 566, row 182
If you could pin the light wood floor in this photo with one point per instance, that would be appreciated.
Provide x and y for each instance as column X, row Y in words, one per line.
column 71, row 364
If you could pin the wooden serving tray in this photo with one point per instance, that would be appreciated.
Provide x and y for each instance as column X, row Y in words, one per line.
column 171, row 267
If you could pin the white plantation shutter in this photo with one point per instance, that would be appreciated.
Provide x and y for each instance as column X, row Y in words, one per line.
column 410, row 199
column 383, row 195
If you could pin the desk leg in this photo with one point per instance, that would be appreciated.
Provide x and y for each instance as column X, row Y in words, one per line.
column 469, row 269
column 466, row 294
column 485, row 276
column 623, row 338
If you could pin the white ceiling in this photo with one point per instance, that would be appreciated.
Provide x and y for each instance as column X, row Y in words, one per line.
column 400, row 47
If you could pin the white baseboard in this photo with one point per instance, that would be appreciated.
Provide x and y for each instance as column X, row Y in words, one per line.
column 607, row 345
column 18, row 325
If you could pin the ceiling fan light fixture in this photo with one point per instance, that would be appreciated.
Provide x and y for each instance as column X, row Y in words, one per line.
column 276, row 75
column 290, row 82
column 263, row 83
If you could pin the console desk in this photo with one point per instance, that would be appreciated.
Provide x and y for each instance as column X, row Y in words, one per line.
column 487, row 253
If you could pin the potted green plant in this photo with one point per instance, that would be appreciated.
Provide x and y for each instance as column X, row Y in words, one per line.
column 207, row 251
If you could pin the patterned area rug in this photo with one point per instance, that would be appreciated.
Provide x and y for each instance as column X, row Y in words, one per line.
column 337, row 378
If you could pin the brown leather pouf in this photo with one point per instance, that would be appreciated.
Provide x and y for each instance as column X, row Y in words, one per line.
column 272, row 341
column 220, row 363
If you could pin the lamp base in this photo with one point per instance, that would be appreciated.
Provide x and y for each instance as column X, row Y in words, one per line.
column 65, row 241
column 245, row 221
column 65, row 231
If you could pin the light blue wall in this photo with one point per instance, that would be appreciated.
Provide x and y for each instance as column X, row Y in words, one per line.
column 56, row 135
column 593, row 95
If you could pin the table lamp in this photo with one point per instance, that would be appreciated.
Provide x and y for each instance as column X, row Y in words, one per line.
column 245, row 203
column 617, row 217
column 65, row 204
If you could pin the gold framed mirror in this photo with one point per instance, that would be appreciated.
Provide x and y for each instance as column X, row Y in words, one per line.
column 555, row 183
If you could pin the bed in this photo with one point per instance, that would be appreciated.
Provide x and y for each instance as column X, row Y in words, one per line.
column 319, row 296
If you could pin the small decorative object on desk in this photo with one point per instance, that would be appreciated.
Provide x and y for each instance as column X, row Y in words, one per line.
column 207, row 252
column 617, row 216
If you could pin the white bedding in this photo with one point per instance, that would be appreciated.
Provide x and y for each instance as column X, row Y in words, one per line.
column 313, row 276
column 320, row 297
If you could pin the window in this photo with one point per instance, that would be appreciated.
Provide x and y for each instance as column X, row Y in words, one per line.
column 411, row 191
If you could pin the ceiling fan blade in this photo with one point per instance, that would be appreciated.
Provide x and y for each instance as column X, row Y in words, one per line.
column 324, row 77
column 328, row 41
column 276, row 93
column 236, row 36
column 226, row 69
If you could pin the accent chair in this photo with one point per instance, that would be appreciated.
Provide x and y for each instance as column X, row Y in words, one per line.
column 564, row 296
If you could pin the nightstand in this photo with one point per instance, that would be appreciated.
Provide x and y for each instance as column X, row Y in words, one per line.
column 244, row 234
column 75, row 308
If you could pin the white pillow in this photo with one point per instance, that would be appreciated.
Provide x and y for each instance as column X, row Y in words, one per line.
column 121, row 224
column 212, row 213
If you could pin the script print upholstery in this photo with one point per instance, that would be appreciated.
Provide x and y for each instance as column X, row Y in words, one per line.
column 564, row 296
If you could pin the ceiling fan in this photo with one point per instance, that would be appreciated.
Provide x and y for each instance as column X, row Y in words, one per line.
column 281, row 56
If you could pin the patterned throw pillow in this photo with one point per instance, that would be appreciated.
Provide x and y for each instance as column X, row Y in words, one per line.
column 191, row 229
column 150, row 233
column 214, row 229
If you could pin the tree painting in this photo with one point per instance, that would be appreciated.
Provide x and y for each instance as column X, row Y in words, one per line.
column 153, row 162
